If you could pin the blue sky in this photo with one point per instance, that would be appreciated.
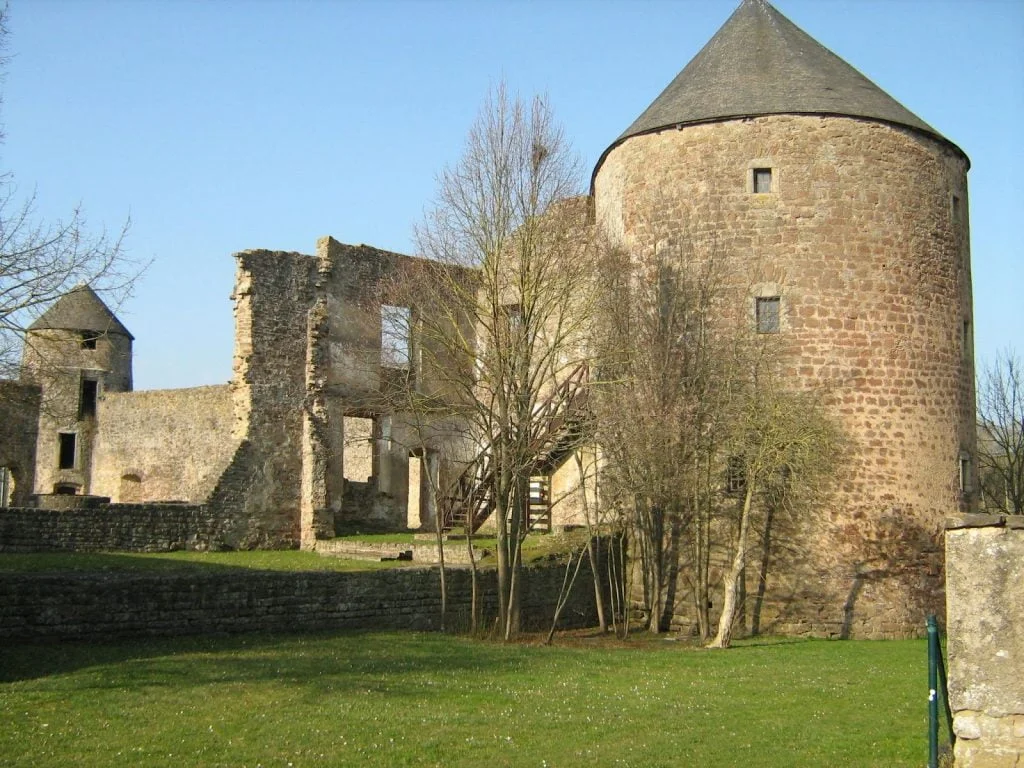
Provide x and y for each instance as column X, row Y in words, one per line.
column 221, row 126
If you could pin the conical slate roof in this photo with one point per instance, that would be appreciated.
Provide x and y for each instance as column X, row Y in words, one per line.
column 761, row 63
column 80, row 309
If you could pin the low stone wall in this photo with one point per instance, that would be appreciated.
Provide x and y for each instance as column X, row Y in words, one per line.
column 421, row 551
column 985, row 627
column 125, row 527
column 99, row 606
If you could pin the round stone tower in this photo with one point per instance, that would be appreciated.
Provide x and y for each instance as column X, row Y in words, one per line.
column 75, row 351
column 838, row 220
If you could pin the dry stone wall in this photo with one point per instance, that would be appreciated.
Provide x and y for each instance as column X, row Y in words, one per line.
column 109, row 527
column 163, row 445
column 985, row 638
column 92, row 606
column 864, row 238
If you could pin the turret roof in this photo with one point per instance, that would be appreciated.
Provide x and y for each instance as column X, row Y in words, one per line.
column 761, row 63
column 80, row 309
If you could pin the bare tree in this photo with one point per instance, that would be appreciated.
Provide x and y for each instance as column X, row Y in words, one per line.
column 501, row 313
column 1001, row 434
column 781, row 451
column 666, row 376
column 41, row 261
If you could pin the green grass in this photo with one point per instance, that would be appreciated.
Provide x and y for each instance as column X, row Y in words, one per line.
column 390, row 699
column 281, row 560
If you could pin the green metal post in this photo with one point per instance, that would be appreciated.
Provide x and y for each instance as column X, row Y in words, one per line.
column 933, row 693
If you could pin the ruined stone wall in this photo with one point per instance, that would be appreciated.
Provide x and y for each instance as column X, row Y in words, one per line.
column 864, row 238
column 349, row 375
column 109, row 527
column 258, row 496
column 19, row 423
column 91, row 606
column 985, row 638
column 163, row 445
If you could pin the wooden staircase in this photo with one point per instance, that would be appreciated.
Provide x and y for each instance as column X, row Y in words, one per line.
column 558, row 428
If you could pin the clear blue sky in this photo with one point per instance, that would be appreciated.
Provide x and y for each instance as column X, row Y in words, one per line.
column 227, row 125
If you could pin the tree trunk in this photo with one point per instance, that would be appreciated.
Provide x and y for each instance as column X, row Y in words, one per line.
column 732, row 579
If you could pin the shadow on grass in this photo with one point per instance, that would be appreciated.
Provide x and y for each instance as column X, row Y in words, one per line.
column 330, row 660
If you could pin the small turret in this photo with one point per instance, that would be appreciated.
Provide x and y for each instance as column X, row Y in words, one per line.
column 75, row 351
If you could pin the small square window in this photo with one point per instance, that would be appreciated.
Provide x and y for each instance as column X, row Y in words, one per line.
column 89, row 339
column 766, row 312
column 762, row 180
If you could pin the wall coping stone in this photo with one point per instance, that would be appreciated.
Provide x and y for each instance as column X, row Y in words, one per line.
column 980, row 520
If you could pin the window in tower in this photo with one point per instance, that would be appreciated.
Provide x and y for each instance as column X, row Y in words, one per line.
column 89, row 339
column 766, row 314
column 965, row 472
column 762, row 180
column 66, row 450
column 87, row 399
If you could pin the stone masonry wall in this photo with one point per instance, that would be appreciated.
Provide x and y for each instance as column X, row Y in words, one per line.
column 108, row 527
column 985, row 639
column 93, row 606
column 19, row 422
column 864, row 237
column 163, row 445
column 57, row 360
column 258, row 496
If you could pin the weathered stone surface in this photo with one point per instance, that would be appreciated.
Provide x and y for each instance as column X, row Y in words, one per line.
column 975, row 520
column 864, row 237
column 110, row 527
column 90, row 606
column 19, row 426
column 166, row 445
column 985, row 620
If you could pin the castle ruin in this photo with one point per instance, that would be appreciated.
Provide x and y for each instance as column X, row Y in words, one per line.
column 839, row 216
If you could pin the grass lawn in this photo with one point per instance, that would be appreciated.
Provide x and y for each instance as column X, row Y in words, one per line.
column 404, row 699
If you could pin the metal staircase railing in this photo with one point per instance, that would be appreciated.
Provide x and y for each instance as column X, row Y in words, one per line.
column 556, row 430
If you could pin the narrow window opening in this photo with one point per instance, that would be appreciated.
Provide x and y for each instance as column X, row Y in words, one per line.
column 965, row 339
column 395, row 347
column 89, row 339
column 766, row 311
column 66, row 453
column 357, row 461
column 513, row 317
column 6, row 486
column 736, row 475
column 762, row 180
column 965, row 472
column 87, row 400
column 956, row 206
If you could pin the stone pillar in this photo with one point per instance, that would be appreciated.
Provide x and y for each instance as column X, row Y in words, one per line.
column 985, row 627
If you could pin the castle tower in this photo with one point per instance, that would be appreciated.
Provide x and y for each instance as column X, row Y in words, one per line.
column 842, row 217
column 75, row 351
